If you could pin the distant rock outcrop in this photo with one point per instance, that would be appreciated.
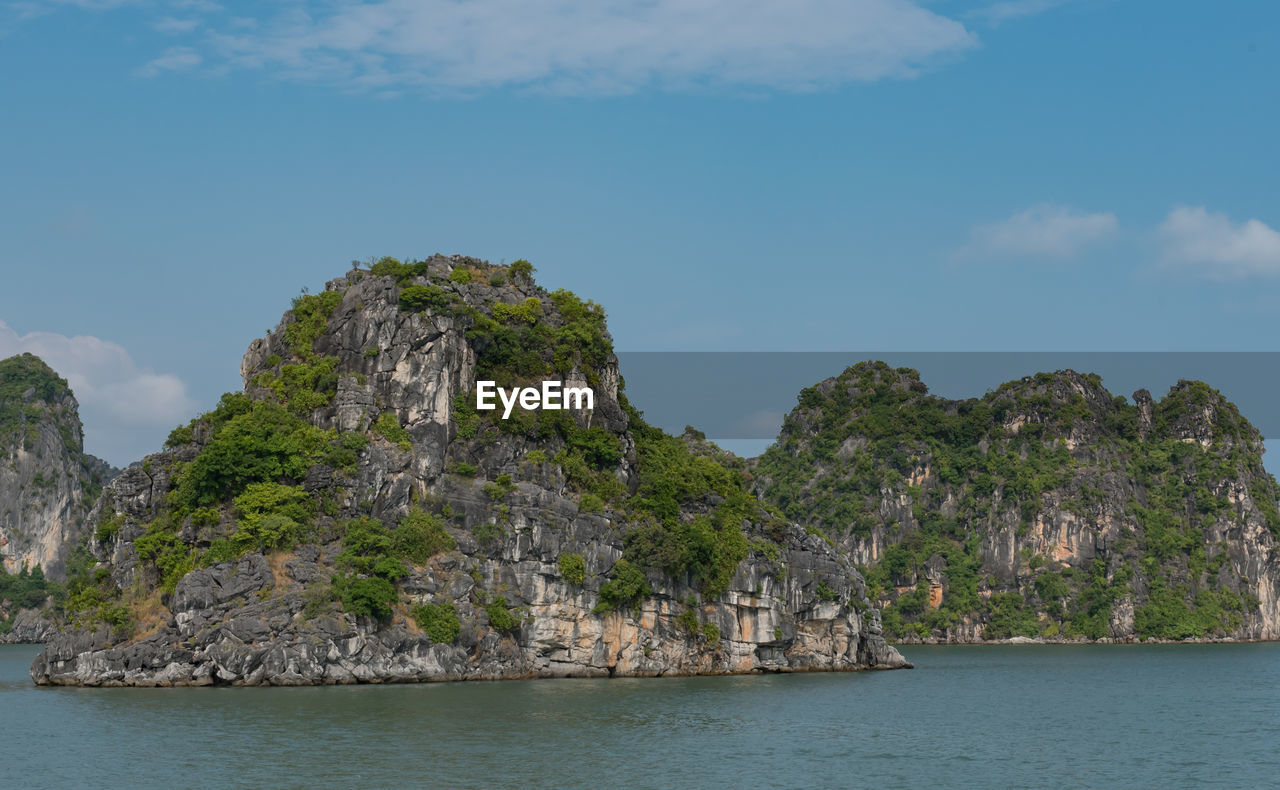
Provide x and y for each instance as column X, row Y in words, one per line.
column 47, row 482
column 1047, row 508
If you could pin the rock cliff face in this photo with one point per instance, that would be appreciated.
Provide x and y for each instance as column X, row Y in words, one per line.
column 28, row 626
column 1046, row 508
column 354, row 518
column 47, row 482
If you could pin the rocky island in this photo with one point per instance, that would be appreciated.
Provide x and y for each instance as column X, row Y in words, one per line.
column 48, row 485
column 1048, row 508
column 357, row 514
column 352, row 517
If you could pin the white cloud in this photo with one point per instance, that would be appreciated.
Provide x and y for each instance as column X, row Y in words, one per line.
column 206, row 6
column 445, row 46
column 172, row 27
column 174, row 59
column 127, row 410
column 560, row 46
column 30, row 9
column 93, row 5
column 1043, row 231
column 1212, row 245
column 996, row 13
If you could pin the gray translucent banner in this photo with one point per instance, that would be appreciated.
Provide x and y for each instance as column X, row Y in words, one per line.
column 744, row 395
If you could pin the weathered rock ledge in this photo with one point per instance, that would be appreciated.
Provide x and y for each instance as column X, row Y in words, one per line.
column 30, row 627
column 244, row 623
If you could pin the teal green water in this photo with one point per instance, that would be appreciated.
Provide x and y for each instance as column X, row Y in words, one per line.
column 1007, row 716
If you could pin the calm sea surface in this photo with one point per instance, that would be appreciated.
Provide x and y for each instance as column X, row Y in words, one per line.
column 1007, row 716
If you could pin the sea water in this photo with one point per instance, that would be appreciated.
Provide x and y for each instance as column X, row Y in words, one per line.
column 999, row 716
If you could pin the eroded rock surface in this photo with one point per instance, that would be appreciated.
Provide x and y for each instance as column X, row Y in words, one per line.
column 47, row 482
column 794, row 603
column 1049, row 508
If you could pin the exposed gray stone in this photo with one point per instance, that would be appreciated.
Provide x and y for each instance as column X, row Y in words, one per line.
column 44, row 478
column 241, row 623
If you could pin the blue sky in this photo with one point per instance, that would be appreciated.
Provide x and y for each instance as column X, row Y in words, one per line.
column 860, row 175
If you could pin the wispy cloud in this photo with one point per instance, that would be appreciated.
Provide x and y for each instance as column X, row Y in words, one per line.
column 173, row 59
column 568, row 47
column 30, row 9
column 126, row 408
column 1210, row 244
column 1043, row 231
column 172, row 27
column 996, row 13
column 92, row 5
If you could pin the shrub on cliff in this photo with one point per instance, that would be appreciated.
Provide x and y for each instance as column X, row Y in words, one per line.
column 389, row 428
column 573, row 569
column 420, row 536
column 416, row 298
column 371, row 596
column 305, row 386
column 526, row 312
column 369, row 548
column 255, row 442
column 515, row 342
column 626, row 587
column 377, row 556
column 522, row 270
column 272, row 516
column 310, row 317
column 402, row 272
column 599, row 448
column 27, row 588
column 161, row 548
column 92, row 598
column 1010, row 616
column 500, row 616
column 439, row 621
column 671, row 477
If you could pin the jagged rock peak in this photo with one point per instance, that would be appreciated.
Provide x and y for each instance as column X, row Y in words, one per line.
column 47, row 482
column 352, row 516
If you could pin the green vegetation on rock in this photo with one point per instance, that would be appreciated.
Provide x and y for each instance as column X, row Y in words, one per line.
column 627, row 586
column 28, row 388
column 256, row 442
column 500, row 615
column 27, row 589
column 259, row 474
column 272, row 516
column 573, row 569
column 376, row 558
column 860, row 445
column 389, row 428
column 440, row 621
